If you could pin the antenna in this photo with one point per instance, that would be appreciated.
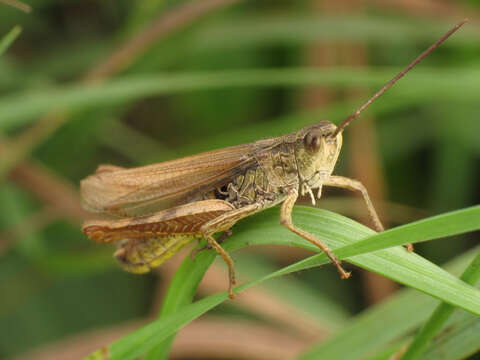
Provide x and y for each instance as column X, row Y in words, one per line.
column 427, row 52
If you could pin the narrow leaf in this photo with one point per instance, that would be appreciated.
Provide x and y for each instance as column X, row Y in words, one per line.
column 336, row 231
column 8, row 39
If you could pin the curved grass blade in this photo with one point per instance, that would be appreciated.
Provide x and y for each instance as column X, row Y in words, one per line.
column 424, row 83
column 293, row 29
column 412, row 270
column 440, row 316
column 8, row 39
column 336, row 231
column 404, row 312
column 458, row 341
column 316, row 304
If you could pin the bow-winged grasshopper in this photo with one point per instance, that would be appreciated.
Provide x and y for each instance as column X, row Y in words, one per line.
column 165, row 206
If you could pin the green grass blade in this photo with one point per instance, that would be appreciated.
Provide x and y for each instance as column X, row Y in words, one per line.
column 297, row 29
column 440, row 316
column 403, row 313
column 268, row 30
column 388, row 353
column 317, row 305
column 459, row 340
column 8, row 39
column 336, row 231
column 180, row 293
column 414, row 271
column 424, row 83
column 184, row 284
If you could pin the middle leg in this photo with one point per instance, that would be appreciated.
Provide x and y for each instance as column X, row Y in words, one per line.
column 220, row 240
column 222, row 223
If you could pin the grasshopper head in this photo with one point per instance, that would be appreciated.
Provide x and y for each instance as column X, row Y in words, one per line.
column 316, row 151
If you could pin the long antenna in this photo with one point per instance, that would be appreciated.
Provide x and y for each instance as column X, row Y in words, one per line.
column 427, row 52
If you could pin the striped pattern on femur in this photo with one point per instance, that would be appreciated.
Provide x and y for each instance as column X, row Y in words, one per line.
column 142, row 228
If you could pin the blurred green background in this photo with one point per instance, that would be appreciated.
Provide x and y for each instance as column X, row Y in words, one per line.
column 131, row 83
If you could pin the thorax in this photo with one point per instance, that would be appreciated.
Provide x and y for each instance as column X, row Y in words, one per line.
column 268, row 181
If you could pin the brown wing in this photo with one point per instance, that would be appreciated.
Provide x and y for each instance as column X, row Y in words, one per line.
column 119, row 191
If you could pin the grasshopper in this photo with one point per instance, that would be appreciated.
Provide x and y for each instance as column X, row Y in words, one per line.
column 165, row 206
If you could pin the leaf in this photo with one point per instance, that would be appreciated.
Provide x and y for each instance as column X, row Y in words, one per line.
column 424, row 84
column 295, row 28
column 403, row 312
column 459, row 339
column 8, row 39
column 439, row 316
column 339, row 233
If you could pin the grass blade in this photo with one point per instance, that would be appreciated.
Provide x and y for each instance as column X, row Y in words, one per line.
column 440, row 316
column 336, row 231
column 403, row 312
column 424, row 83
column 8, row 39
column 458, row 341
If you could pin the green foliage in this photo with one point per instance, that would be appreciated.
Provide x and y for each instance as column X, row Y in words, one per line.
column 395, row 263
column 440, row 316
column 237, row 75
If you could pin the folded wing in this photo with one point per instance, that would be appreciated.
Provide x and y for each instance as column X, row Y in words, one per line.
column 127, row 192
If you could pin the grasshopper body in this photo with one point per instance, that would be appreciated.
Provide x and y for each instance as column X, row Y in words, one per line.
column 165, row 206
column 256, row 176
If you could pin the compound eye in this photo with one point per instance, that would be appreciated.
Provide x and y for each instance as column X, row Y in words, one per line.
column 312, row 141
